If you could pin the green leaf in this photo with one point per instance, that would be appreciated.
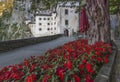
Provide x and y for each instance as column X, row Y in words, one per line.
column 76, row 69
column 83, row 3
column 53, row 78
column 66, row 77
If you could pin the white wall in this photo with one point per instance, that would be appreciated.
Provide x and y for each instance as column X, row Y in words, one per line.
column 72, row 17
column 32, row 29
column 42, row 30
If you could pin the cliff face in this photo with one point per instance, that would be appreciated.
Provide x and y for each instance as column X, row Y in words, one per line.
column 12, row 24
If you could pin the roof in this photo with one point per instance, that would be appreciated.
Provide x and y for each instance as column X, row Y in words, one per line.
column 68, row 4
column 31, row 23
column 43, row 14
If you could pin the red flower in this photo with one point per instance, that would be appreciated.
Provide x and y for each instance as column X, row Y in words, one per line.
column 81, row 72
column 88, row 78
column 84, row 61
column 1, row 78
column 99, row 59
column 97, row 53
column 74, row 55
column 45, row 78
column 81, row 66
column 7, row 75
column 88, row 49
column 106, row 60
column 44, row 67
column 60, row 73
column 19, row 66
column 89, row 68
column 110, row 50
column 26, row 63
column 66, row 56
column 31, row 78
column 68, row 64
column 104, row 49
column 15, row 76
column 78, row 52
column 33, row 67
column 4, row 69
column 76, row 78
column 93, row 57
column 107, row 55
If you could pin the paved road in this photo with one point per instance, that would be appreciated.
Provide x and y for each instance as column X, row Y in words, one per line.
column 18, row 55
column 116, row 70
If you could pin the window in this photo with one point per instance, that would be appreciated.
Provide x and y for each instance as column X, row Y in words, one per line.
column 48, row 18
column 66, row 22
column 54, row 23
column 51, row 28
column 48, row 23
column 48, row 28
column 44, row 18
column 39, row 18
column 40, row 29
column 40, row 24
column 51, row 18
column 66, row 11
column 51, row 23
column 54, row 28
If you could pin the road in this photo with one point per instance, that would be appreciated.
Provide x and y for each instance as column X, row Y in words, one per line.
column 18, row 55
column 115, row 75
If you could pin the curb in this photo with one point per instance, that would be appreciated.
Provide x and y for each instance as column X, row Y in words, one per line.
column 106, row 70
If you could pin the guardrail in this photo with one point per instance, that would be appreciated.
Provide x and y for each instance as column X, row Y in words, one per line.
column 13, row 44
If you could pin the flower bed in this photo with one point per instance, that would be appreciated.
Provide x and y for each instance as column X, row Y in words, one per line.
column 73, row 62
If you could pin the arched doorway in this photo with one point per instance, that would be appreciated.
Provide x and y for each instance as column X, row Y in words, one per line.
column 66, row 32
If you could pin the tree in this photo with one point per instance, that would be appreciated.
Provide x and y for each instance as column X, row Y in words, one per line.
column 98, row 12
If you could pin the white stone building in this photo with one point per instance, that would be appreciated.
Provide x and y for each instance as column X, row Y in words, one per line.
column 68, row 14
column 65, row 20
column 45, row 25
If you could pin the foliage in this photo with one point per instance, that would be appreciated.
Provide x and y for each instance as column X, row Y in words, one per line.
column 6, row 5
column 4, row 27
column 114, row 6
column 48, row 4
column 73, row 62
column 12, row 32
column 9, row 28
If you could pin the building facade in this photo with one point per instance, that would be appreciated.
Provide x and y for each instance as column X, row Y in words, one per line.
column 45, row 25
column 68, row 13
column 64, row 20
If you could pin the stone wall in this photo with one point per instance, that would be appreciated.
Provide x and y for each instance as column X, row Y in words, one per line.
column 13, row 44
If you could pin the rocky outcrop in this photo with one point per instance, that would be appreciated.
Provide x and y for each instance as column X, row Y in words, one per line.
column 13, row 23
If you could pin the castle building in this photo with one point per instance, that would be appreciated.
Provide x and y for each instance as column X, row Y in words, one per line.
column 68, row 14
column 45, row 25
column 64, row 20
